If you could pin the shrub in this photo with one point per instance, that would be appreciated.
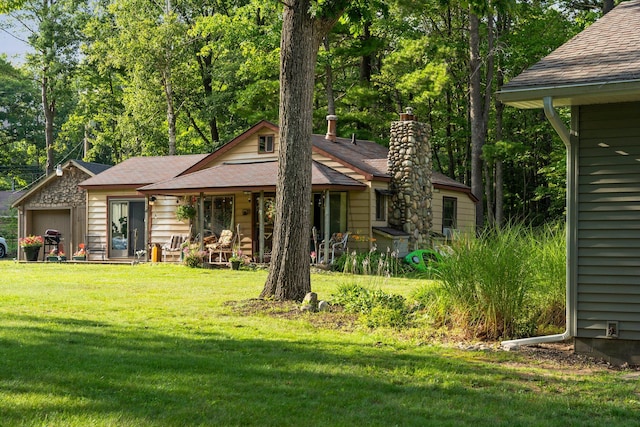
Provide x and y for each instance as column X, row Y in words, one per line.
column 376, row 307
column 193, row 256
column 486, row 281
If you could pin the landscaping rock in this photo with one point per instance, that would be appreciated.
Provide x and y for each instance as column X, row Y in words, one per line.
column 310, row 302
column 323, row 306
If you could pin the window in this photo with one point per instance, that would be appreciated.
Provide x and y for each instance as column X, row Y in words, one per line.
column 127, row 230
column 218, row 214
column 381, row 206
column 265, row 144
column 449, row 215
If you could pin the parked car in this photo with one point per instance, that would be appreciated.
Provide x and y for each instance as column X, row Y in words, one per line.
column 3, row 247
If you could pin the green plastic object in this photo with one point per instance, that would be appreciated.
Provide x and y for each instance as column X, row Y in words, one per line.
column 423, row 259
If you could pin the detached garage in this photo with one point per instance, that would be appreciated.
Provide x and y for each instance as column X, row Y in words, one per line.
column 56, row 202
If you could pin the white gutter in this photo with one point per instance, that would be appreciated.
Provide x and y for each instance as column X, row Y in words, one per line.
column 565, row 135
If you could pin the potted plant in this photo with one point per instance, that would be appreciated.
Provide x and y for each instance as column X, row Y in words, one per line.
column 80, row 254
column 235, row 260
column 56, row 256
column 31, row 246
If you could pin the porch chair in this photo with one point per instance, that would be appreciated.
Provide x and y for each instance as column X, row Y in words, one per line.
column 337, row 243
column 223, row 247
column 172, row 248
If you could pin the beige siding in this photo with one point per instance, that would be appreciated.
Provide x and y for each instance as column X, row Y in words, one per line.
column 337, row 166
column 359, row 219
column 163, row 221
column 247, row 151
column 608, row 232
column 466, row 213
column 97, row 213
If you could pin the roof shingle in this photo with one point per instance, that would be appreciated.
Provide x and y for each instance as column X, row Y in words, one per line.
column 139, row 171
column 606, row 51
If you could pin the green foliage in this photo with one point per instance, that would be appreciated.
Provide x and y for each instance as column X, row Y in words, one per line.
column 502, row 284
column 375, row 307
column 193, row 256
column 370, row 263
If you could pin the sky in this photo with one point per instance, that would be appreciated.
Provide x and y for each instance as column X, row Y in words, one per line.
column 10, row 46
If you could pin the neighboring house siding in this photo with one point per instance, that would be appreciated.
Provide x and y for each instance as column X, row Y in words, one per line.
column 466, row 214
column 608, row 240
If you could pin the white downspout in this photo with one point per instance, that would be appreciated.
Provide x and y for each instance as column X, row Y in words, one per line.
column 565, row 135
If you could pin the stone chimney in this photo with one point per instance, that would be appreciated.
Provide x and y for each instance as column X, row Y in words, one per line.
column 331, row 127
column 410, row 168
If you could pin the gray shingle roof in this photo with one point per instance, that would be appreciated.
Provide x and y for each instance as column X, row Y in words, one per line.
column 247, row 176
column 591, row 64
column 138, row 171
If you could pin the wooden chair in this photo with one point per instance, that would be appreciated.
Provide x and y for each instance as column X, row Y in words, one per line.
column 172, row 248
column 94, row 244
column 223, row 246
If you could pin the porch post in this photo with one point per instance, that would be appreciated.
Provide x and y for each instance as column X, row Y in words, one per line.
column 327, row 223
column 201, row 220
column 261, row 226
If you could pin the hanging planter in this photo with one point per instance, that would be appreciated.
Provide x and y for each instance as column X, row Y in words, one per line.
column 185, row 212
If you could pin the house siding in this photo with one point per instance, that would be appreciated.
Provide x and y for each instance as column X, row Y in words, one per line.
column 466, row 213
column 608, row 213
column 97, row 214
column 248, row 151
column 164, row 223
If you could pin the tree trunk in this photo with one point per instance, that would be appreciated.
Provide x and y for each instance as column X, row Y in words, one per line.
column 366, row 59
column 331, row 101
column 289, row 276
column 499, row 106
column 475, row 111
column 49, row 109
column 171, row 115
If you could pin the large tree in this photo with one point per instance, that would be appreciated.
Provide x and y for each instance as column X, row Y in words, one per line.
column 53, row 31
column 304, row 25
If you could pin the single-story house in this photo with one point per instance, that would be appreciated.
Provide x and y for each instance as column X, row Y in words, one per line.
column 57, row 203
column 597, row 75
column 234, row 187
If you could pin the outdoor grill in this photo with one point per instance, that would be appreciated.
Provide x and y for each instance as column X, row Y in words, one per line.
column 51, row 241
column 52, row 237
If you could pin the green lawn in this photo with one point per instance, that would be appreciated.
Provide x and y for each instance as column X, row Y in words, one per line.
column 156, row 345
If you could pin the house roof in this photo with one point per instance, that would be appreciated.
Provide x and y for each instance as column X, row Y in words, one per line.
column 7, row 198
column 247, row 177
column 138, row 171
column 91, row 169
column 365, row 157
column 599, row 65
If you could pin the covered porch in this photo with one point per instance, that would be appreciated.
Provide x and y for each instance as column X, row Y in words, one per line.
column 240, row 197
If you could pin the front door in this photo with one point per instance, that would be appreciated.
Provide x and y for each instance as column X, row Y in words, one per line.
column 126, row 235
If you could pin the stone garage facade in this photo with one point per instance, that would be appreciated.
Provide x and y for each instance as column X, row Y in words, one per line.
column 56, row 202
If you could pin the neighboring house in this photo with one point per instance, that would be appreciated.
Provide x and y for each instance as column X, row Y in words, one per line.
column 351, row 185
column 6, row 200
column 57, row 203
column 597, row 75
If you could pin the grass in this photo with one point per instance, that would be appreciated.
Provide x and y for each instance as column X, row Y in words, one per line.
column 157, row 345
